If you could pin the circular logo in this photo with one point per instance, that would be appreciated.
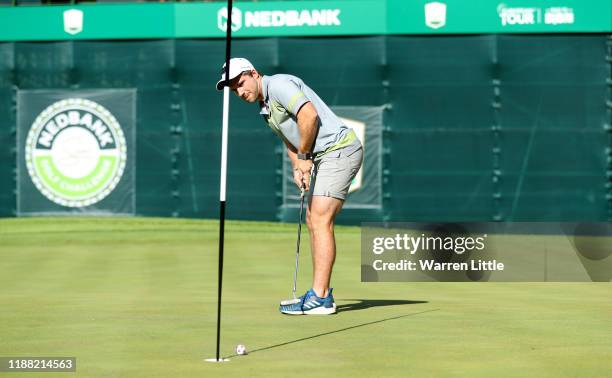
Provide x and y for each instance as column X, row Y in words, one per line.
column 75, row 152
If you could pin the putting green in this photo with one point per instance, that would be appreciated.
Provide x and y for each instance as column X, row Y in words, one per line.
column 136, row 297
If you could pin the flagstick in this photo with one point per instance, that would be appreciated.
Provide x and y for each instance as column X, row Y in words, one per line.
column 228, row 43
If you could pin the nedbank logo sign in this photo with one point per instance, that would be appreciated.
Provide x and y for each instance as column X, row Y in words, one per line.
column 75, row 152
column 236, row 19
column 278, row 18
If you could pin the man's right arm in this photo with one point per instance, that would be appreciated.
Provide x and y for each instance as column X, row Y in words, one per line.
column 292, row 153
column 297, row 174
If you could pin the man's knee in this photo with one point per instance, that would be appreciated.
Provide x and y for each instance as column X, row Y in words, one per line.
column 320, row 220
column 321, row 225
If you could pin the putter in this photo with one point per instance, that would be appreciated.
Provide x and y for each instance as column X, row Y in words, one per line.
column 297, row 251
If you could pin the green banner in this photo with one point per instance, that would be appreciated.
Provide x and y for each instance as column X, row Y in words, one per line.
column 499, row 16
column 287, row 18
column 104, row 21
column 303, row 18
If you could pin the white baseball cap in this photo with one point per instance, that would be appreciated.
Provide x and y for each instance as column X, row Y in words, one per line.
column 237, row 66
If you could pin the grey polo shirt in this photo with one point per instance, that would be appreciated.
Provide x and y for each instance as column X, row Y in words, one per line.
column 284, row 95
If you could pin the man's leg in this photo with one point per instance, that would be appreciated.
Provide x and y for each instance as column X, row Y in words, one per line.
column 320, row 217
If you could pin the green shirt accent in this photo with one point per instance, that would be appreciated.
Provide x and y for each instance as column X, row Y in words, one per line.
column 293, row 100
column 345, row 141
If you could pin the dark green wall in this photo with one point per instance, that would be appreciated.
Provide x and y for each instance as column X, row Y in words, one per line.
column 483, row 128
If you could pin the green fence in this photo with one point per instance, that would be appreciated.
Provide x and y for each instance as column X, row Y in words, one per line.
column 482, row 127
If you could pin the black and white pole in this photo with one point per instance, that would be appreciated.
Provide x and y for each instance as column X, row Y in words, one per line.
column 222, row 186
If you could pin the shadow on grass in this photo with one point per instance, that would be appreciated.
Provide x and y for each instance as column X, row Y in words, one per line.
column 362, row 304
column 336, row 331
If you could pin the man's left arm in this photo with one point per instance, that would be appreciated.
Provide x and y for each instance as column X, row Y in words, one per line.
column 293, row 99
column 308, row 125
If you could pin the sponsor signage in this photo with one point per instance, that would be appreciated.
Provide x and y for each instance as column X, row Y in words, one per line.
column 501, row 16
column 518, row 16
column 286, row 18
column 76, row 151
column 304, row 18
column 73, row 21
column 435, row 15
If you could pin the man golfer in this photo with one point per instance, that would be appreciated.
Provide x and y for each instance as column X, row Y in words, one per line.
column 325, row 155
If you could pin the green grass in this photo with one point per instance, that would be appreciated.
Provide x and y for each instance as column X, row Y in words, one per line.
column 132, row 297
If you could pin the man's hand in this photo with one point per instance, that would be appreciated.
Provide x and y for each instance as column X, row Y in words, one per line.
column 301, row 173
column 297, row 177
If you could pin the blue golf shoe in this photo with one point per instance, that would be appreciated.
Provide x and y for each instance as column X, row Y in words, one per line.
column 310, row 304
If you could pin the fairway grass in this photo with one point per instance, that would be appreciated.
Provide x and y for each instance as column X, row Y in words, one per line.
column 136, row 297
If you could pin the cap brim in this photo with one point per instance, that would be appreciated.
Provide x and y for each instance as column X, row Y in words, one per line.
column 221, row 83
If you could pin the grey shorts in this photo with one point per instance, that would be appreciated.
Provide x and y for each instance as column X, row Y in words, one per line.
column 334, row 171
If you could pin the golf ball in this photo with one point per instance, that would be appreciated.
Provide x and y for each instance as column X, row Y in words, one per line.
column 241, row 349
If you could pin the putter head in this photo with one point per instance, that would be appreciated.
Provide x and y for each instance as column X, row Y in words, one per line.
column 290, row 301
